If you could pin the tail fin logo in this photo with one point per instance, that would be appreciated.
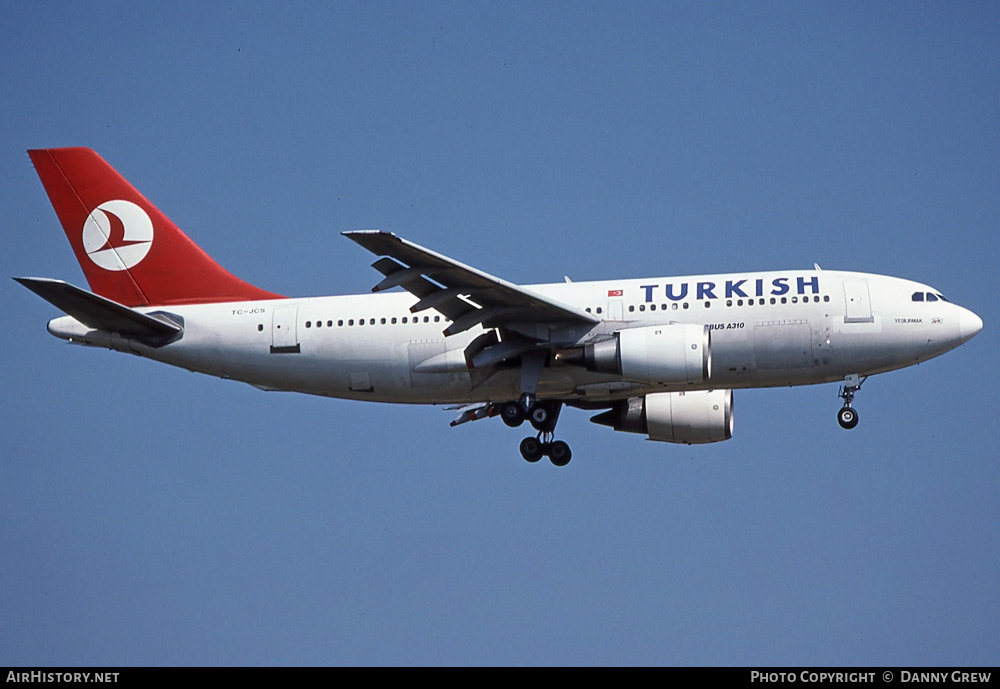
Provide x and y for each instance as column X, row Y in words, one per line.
column 117, row 235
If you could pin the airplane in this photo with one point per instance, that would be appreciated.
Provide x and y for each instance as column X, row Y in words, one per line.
column 658, row 357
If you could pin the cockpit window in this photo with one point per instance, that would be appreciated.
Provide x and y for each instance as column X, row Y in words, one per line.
column 927, row 296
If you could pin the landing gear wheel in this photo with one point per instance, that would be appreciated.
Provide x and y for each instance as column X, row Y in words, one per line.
column 543, row 416
column 559, row 453
column 532, row 449
column 512, row 414
column 847, row 418
column 539, row 415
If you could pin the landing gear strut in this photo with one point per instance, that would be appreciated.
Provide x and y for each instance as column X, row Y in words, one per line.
column 847, row 417
column 542, row 416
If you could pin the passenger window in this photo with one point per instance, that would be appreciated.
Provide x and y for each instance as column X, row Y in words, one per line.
column 308, row 324
column 260, row 327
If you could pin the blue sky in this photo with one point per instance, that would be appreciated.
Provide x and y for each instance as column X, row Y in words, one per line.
column 152, row 516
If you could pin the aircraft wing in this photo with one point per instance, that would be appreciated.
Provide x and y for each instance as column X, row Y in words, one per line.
column 467, row 296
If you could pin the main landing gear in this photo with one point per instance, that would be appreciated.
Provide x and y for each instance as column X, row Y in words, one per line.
column 542, row 416
column 847, row 417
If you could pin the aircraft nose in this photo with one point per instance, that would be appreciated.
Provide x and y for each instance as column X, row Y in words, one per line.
column 968, row 324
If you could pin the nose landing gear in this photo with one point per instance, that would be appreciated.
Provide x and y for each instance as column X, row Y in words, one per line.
column 847, row 417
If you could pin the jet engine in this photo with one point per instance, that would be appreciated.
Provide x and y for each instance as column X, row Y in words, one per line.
column 655, row 354
column 690, row 417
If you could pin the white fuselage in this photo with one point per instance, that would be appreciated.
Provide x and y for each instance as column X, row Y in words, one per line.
column 767, row 329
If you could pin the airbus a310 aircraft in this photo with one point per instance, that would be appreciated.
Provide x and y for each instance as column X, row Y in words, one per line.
column 657, row 356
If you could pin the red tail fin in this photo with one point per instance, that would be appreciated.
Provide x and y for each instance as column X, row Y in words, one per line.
column 129, row 251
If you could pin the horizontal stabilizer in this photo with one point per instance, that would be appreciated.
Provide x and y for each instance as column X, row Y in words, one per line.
column 103, row 314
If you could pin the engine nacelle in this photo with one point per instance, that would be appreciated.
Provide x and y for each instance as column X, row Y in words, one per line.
column 656, row 354
column 690, row 417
